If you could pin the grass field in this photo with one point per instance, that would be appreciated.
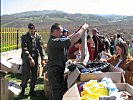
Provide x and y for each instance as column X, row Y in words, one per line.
column 39, row 89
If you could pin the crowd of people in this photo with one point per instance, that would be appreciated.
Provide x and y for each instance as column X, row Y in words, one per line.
column 63, row 46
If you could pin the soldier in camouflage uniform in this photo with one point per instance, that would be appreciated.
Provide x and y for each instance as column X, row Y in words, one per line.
column 56, row 59
column 31, row 48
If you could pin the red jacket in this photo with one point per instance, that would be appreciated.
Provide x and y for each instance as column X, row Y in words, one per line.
column 90, row 51
column 71, row 51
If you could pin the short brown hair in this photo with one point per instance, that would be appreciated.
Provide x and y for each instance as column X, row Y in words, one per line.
column 55, row 26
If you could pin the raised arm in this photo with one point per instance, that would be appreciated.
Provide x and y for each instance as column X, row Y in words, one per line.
column 76, row 36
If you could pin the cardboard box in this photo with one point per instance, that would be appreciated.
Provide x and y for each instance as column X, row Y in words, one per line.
column 114, row 74
column 11, row 61
column 16, row 68
column 73, row 93
column 5, row 65
column 16, row 65
column 12, row 65
column 11, row 54
column 125, row 87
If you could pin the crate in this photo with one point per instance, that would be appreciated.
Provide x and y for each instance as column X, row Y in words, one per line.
column 129, row 77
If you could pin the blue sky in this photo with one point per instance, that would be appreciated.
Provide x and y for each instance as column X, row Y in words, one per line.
column 120, row 7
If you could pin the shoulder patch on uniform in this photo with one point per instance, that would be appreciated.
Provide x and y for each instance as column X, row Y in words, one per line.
column 63, row 39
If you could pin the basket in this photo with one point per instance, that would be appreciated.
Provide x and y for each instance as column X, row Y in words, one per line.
column 129, row 77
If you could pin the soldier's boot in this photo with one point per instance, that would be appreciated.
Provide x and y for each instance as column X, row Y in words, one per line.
column 22, row 92
column 32, row 92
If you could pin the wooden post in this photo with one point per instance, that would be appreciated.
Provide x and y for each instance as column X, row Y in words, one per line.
column 17, row 39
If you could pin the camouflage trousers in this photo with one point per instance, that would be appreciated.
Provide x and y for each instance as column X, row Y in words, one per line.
column 29, row 72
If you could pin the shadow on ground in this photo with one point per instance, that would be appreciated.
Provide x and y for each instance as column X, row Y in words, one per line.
column 39, row 96
column 11, row 76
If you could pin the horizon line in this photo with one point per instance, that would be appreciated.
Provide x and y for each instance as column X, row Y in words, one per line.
column 66, row 12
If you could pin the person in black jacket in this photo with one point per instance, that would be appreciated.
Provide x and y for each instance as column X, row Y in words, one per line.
column 56, row 59
column 31, row 44
column 99, row 44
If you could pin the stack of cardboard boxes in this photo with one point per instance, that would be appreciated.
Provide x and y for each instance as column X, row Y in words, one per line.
column 76, row 76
